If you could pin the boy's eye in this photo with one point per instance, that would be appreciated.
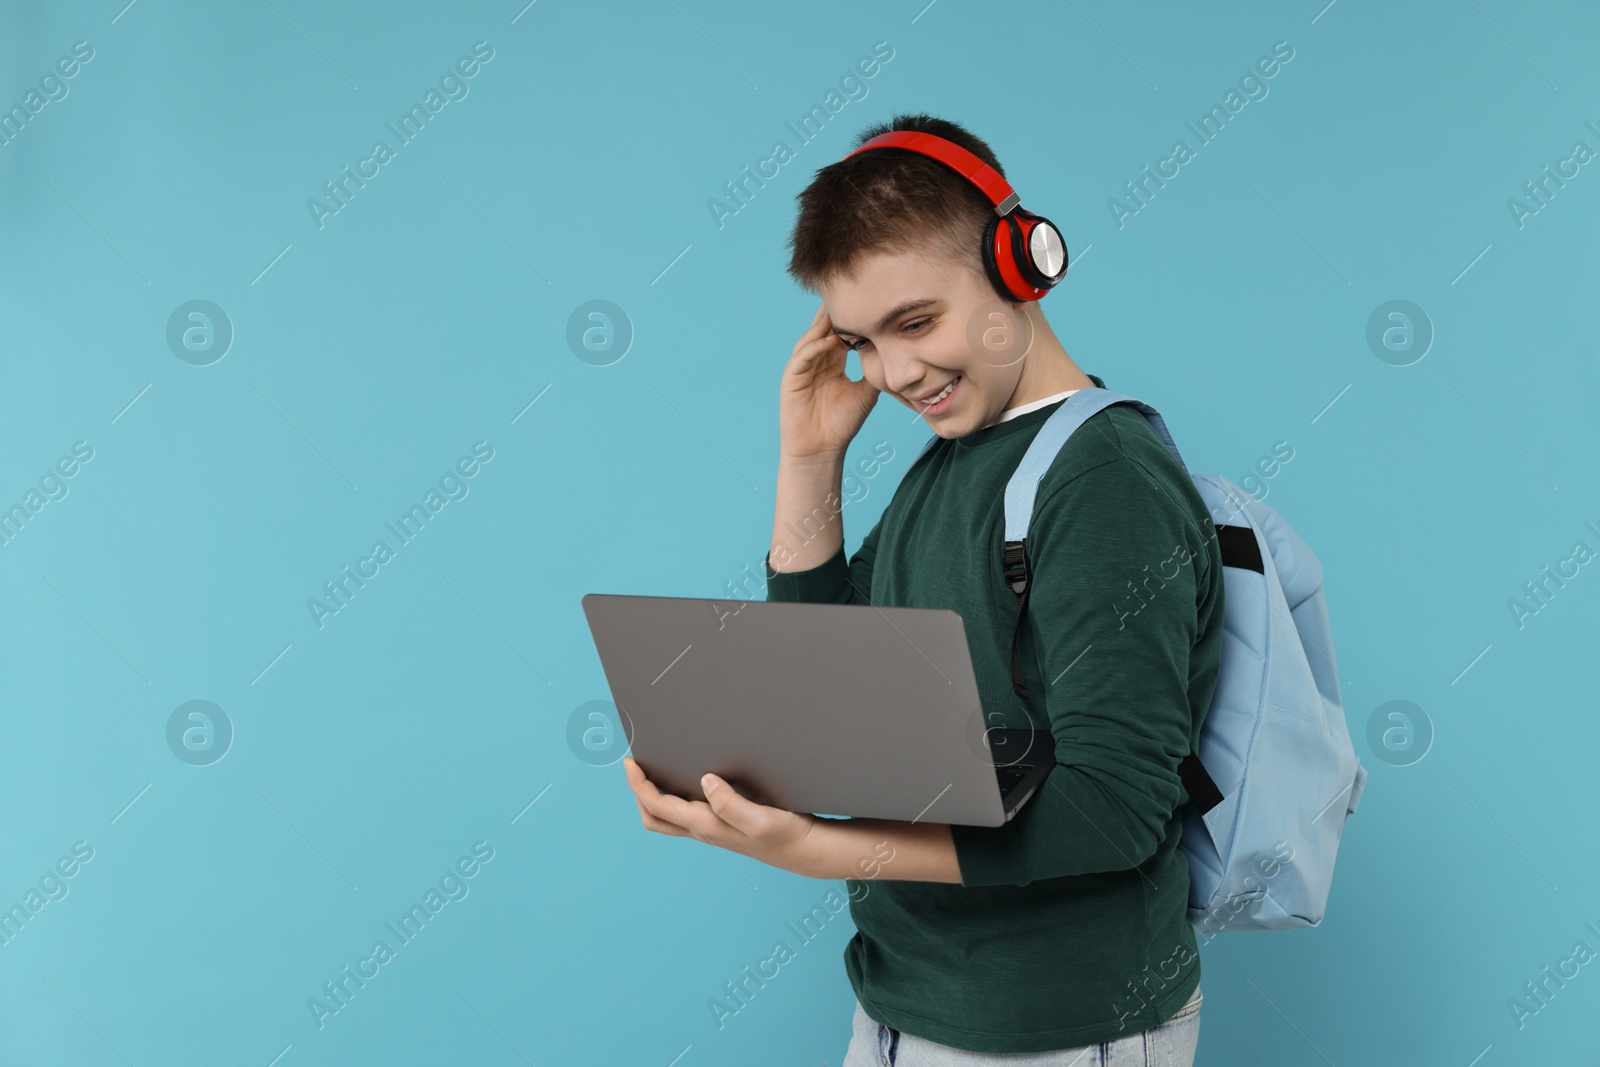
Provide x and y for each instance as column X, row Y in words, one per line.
column 910, row 327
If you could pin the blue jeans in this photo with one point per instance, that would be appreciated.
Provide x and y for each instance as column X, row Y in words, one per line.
column 1171, row 1044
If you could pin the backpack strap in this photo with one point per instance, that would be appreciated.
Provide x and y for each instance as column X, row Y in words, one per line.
column 1203, row 792
column 1022, row 491
column 1240, row 548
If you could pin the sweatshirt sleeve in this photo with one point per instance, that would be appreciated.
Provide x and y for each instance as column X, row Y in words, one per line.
column 1113, row 611
column 832, row 581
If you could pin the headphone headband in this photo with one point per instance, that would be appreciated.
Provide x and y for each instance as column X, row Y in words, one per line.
column 988, row 180
column 1023, row 253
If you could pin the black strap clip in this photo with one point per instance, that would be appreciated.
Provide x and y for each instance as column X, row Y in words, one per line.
column 1015, row 561
column 1016, row 576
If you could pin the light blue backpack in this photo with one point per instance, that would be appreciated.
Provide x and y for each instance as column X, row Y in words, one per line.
column 1276, row 775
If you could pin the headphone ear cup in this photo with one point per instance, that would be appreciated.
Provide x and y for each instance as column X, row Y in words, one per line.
column 1022, row 254
column 991, row 236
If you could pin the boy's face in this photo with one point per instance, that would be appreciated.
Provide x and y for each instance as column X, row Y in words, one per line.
column 919, row 321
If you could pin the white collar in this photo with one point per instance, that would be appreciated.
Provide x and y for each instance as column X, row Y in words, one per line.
column 1035, row 406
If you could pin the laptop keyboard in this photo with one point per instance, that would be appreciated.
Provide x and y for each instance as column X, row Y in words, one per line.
column 1010, row 776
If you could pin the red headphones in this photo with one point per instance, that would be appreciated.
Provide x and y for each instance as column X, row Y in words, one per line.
column 1023, row 253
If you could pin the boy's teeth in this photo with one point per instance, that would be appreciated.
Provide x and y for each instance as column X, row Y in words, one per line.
column 943, row 393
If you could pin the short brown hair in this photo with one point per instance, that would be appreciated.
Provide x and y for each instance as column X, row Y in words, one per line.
column 889, row 200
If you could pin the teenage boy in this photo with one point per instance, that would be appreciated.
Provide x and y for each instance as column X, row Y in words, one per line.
column 1065, row 930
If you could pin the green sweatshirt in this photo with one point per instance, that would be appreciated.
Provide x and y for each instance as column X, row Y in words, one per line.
column 1069, row 926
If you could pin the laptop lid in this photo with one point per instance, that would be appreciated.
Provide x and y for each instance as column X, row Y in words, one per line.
column 835, row 709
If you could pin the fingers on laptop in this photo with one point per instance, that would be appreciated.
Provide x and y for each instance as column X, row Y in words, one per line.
column 644, row 791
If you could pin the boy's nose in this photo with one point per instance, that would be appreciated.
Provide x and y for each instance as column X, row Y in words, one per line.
column 901, row 374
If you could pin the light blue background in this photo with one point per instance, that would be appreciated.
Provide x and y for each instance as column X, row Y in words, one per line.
column 427, row 314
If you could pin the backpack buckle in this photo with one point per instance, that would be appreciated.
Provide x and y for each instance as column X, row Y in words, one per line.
column 1015, row 567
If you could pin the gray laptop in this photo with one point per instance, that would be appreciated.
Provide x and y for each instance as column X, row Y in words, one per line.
column 831, row 709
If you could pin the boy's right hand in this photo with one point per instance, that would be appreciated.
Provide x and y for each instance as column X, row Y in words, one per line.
column 820, row 409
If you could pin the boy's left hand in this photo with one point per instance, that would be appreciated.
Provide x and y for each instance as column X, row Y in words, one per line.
column 774, row 836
